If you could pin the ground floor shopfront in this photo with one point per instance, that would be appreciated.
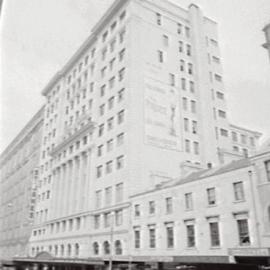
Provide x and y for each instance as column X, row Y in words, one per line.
column 45, row 261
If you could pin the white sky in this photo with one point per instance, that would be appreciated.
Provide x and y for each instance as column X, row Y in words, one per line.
column 39, row 36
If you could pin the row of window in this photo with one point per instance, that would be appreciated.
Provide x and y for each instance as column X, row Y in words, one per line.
column 180, row 28
column 109, row 166
column 109, row 144
column 68, row 250
column 244, row 138
column 191, row 241
column 108, row 195
column 109, row 219
column 106, row 248
column 111, row 102
column 239, row 195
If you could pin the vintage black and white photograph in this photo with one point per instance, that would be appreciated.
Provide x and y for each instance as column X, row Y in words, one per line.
column 135, row 135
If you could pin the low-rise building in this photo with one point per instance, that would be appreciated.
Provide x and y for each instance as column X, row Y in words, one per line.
column 19, row 173
column 217, row 215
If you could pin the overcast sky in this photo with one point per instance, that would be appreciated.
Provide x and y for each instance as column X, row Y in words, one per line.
column 39, row 36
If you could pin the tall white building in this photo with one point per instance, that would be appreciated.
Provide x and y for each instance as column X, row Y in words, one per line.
column 142, row 101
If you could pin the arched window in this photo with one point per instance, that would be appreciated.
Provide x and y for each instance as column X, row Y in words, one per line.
column 95, row 248
column 118, row 247
column 77, row 249
column 37, row 250
column 50, row 249
column 62, row 250
column 106, row 248
column 69, row 250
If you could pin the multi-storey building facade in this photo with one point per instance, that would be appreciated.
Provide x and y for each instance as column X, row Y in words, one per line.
column 217, row 215
column 19, row 173
column 123, row 115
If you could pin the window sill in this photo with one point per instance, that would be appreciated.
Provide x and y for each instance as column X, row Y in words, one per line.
column 239, row 201
column 212, row 205
column 215, row 248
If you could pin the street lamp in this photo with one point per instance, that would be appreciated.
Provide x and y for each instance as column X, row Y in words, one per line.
column 111, row 240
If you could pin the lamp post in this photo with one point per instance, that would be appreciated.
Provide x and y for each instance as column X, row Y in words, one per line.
column 111, row 240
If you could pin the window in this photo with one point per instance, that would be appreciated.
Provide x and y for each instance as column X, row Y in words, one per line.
column 267, row 169
column 190, row 68
column 111, row 82
column 109, row 145
column 188, row 201
column 234, row 136
column 160, row 57
column 172, row 79
column 183, row 84
column 184, row 102
column 106, row 248
column 188, row 50
column 99, row 171
column 238, row 191
column 218, row 78
column 107, row 219
column 122, row 15
column 119, row 189
column 110, row 123
column 118, row 247
column 120, row 162
column 100, row 150
column 101, row 110
column 214, row 234
column 221, row 114
column 182, row 65
column 112, row 45
column 104, row 36
column 95, row 248
column 112, row 63
column 152, row 237
column 109, row 167
column 121, row 74
column 137, row 239
column 170, row 237
column 169, row 205
column 224, row 132
column 186, row 124
column 179, row 28
column 118, row 217
column 108, row 195
column 187, row 31
column 243, row 232
column 122, row 35
column 190, row 235
column 243, row 139
column 187, row 146
column 152, row 207
column 120, row 117
column 191, row 87
column 158, row 19
column 137, row 212
column 104, row 52
column 121, row 95
column 165, row 40
column 194, row 127
column 245, row 152
column 180, row 46
column 211, row 196
column 110, row 103
column 121, row 55
column 120, row 139
column 193, row 106
column 98, row 198
column 100, row 130
column 102, row 90
column 196, row 148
